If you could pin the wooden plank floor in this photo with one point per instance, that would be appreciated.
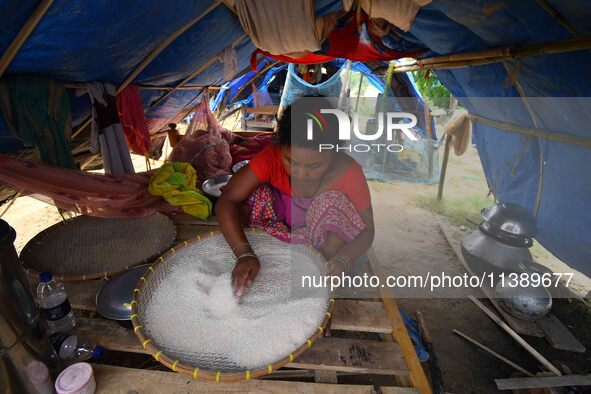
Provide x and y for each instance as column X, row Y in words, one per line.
column 112, row 380
column 350, row 315
column 330, row 354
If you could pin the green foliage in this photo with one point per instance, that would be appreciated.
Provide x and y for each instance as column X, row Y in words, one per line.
column 434, row 92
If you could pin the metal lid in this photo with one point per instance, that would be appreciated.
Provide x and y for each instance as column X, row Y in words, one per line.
column 509, row 220
column 114, row 297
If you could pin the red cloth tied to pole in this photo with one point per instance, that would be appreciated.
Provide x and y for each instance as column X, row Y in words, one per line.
column 131, row 113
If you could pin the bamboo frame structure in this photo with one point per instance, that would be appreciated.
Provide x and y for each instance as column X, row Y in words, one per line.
column 528, row 131
column 156, row 51
column 24, row 33
column 151, row 56
column 267, row 67
column 496, row 55
column 417, row 376
column 195, row 73
column 193, row 371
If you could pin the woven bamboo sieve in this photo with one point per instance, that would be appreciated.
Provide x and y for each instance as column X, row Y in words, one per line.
column 194, row 371
column 86, row 248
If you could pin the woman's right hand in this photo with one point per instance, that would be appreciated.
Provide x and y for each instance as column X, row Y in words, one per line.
column 243, row 274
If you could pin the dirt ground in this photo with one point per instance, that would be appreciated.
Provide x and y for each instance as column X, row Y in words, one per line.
column 409, row 241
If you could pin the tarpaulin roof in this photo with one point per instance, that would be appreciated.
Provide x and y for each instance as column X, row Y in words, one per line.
column 79, row 40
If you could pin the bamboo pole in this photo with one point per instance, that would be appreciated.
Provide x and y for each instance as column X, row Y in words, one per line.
column 163, row 45
column 82, row 86
column 417, row 376
column 496, row 55
column 493, row 353
column 549, row 8
column 151, row 56
column 448, row 139
column 267, row 67
column 24, row 33
column 194, row 74
column 528, row 131
column 547, row 364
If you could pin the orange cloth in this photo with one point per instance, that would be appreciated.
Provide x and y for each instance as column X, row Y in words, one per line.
column 268, row 167
column 131, row 113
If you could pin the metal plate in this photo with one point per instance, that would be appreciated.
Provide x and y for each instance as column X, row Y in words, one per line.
column 239, row 165
column 113, row 298
column 212, row 186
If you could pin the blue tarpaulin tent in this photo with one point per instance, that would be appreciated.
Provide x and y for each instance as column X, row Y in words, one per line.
column 79, row 41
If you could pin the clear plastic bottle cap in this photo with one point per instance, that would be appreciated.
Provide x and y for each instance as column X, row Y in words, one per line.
column 45, row 276
column 75, row 379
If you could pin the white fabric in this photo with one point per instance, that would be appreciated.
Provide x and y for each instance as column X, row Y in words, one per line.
column 106, row 132
column 460, row 128
column 280, row 27
column 400, row 13
column 230, row 61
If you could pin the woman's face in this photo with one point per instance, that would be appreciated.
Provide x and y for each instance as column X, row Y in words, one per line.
column 305, row 164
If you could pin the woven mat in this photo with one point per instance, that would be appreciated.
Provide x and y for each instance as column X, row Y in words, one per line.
column 93, row 246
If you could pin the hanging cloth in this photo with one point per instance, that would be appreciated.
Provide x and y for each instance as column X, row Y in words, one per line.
column 131, row 113
column 400, row 13
column 280, row 27
column 106, row 131
column 37, row 111
column 346, row 42
column 230, row 61
column 459, row 127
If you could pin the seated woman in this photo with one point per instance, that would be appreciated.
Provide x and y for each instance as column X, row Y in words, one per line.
column 300, row 194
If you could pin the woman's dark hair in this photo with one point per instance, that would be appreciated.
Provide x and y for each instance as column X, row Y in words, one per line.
column 292, row 127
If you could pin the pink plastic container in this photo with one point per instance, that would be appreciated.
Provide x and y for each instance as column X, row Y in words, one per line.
column 76, row 379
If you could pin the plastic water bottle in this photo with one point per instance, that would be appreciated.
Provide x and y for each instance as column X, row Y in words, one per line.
column 54, row 303
column 74, row 348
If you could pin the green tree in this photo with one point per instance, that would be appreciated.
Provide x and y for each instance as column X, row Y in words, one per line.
column 432, row 89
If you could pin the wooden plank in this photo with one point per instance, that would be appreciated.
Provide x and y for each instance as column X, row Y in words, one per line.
column 520, row 326
column 417, row 375
column 325, row 377
column 542, row 382
column 558, row 335
column 398, row 390
column 328, row 354
column 107, row 333
column 353, row 355
column 366, row 316
column 81, row 294
column 263, row 110
column 260, row 124
column 120, row 380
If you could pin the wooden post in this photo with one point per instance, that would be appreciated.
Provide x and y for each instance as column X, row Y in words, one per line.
column 417, row 376
column 24, row 33
column 345, row 85
column 359, row 92
column 430, row 137
column 444, row 166
column 385, row 96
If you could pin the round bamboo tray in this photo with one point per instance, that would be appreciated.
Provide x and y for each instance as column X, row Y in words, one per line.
column 85, row 248
column 194, row 371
